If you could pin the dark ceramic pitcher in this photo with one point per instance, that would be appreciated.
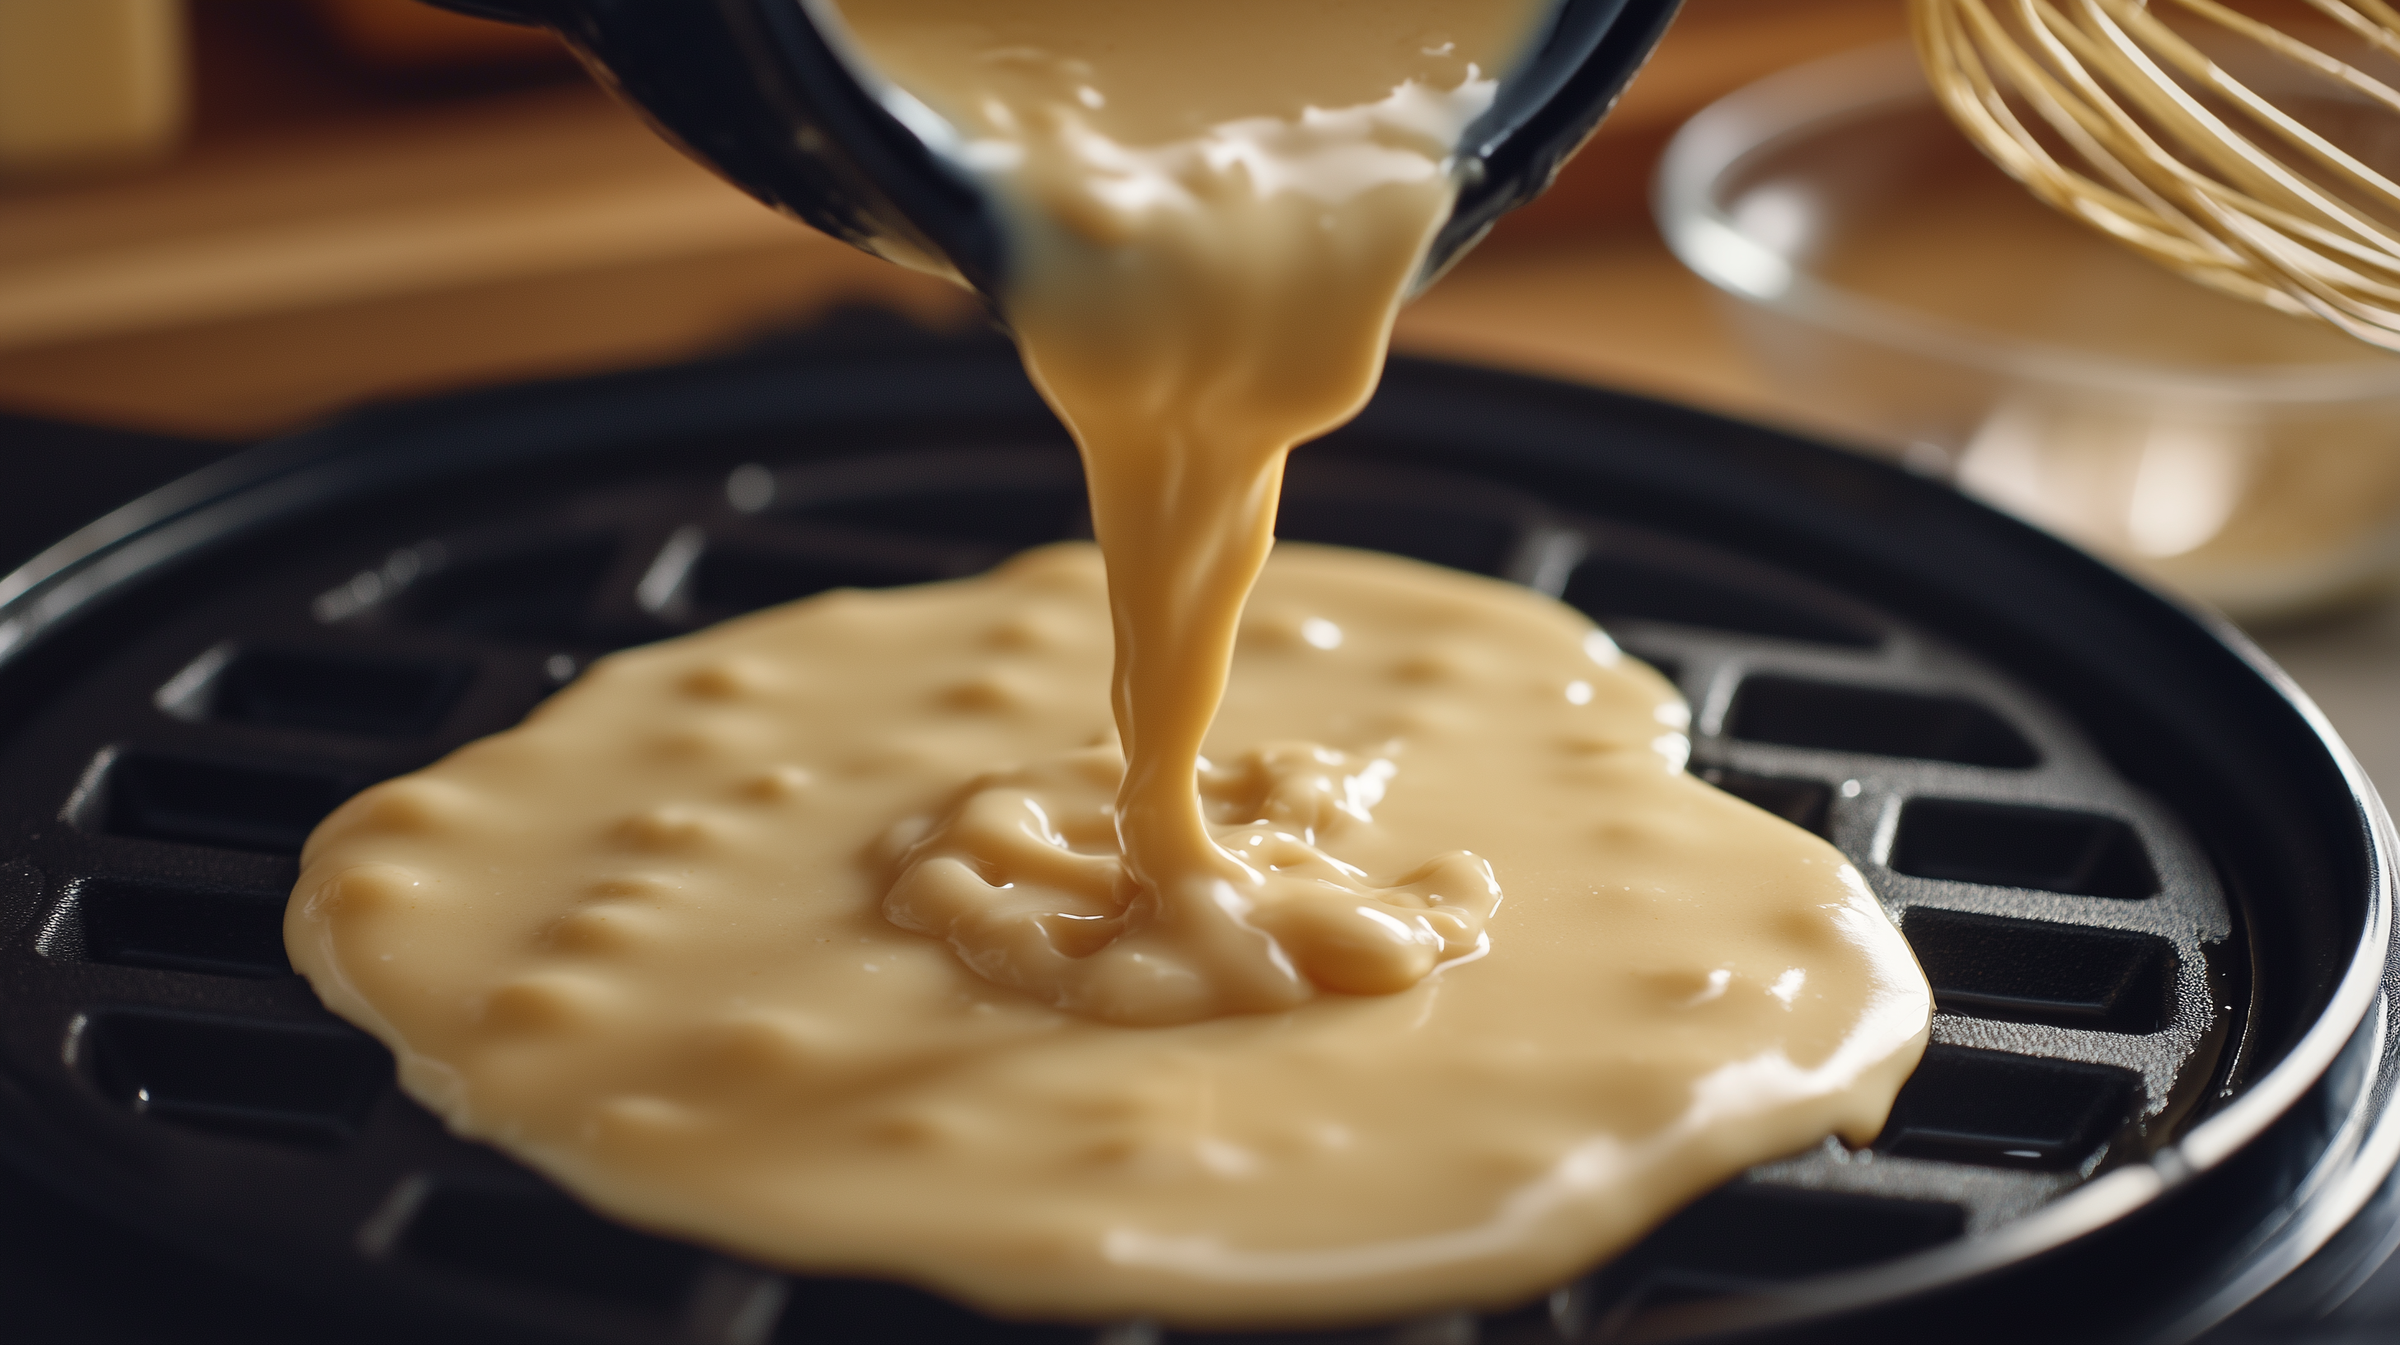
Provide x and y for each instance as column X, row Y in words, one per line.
column 773, row 96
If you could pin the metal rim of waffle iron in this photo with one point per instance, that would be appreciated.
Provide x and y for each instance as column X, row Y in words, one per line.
column 2152, row 890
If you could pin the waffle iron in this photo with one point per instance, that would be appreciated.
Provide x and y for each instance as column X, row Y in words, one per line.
column 2151, row 890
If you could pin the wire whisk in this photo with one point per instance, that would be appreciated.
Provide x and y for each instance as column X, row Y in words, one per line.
column 2216, row 144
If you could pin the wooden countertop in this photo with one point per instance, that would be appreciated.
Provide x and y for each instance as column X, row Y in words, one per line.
column 339, row 245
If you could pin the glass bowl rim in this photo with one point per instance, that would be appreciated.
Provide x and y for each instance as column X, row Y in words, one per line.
column 1821, row 98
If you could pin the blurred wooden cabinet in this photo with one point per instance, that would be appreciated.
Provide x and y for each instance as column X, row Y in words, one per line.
column 89, row 84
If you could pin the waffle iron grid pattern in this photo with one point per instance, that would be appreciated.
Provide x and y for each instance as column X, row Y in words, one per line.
column 2076, row 935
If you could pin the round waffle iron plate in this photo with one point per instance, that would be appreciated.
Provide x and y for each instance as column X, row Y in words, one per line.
column 2148, row 887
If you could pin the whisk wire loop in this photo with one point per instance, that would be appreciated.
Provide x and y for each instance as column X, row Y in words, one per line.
column 2166, row 124
column 2136, row 213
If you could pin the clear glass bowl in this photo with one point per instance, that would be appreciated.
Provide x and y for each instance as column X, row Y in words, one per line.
column 1892, row 283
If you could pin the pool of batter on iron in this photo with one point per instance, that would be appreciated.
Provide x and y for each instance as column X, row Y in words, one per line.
column 809, row 937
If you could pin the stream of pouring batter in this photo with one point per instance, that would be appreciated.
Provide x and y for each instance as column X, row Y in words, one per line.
column 1214, row 212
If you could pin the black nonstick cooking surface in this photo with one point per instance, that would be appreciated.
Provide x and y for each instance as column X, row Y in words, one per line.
column 2150, row 892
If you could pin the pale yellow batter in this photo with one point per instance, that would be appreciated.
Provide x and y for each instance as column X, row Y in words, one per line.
column 641, row 942
column 912, row 934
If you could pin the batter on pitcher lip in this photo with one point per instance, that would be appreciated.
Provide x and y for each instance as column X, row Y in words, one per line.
column 959, row 935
